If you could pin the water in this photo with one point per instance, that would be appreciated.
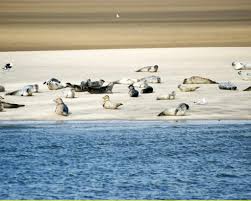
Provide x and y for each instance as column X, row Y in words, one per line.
column 125, row 160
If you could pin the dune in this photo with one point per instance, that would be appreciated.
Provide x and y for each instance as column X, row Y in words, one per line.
column 175, row 64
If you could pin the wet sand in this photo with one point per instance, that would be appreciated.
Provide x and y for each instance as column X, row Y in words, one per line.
column 91, row 24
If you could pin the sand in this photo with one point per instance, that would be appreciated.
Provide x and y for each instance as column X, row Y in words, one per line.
column 175, row 64
column 91, row 24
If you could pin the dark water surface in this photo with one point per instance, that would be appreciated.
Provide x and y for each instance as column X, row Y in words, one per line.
column 125, row 160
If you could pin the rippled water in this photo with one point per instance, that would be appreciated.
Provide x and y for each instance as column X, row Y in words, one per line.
column 125, row 160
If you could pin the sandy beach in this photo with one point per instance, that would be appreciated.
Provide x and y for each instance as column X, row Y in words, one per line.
column 175, row 64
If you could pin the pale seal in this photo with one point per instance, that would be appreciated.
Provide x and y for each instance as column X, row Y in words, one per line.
column 25, row 91
column 127, row 81
column 151, row 79
column 101, row 90
column 184, row 88
column 170, row 96
column 151, row 69
column 241, row 66
column 179, row 111
column 2, row 89
column 107, row 104
column 132, row 91
column 53, row 84
column 61, row 107
column 245, row 75
column 70, row 93
column 198, row 80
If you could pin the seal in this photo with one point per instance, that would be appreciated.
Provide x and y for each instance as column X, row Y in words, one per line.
column 53, row 84
column 151, row 69
column 9, row 105
column 148, row 89
column 247, row 89
column 227, row 86
column 34, row 88
column 132, row 91
column 127, row 81
column 151, row 79
column 184, row 88
column 61, row 107
column 98, row 83
column 25, row 91
column 110, row 105
column 245, row 75
column 241, row 66
column 2, row 89
column 198, row 80
column 101, row 90
column 170, row 96
column 70, row 93
column 77, row 88
column 141, row 84
column 178, row 111
column 1, row 104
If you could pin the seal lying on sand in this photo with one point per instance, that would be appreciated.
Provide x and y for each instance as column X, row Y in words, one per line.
column 184, row 88
column 70, row 93
column 245, row 75
column 151, row 69
column 143, row 84
column 132, row 91
column 151, row 79
column 127, row 81
column 198, row 80
column 2, row 89
column 76, row 87
column 9, row 105
column 179, row 111
column 98, row 83
column 148, row 89
column 110, row 105
column 33, row 87
column 53, row 84
column 101, row 90
column 25, row 91
column 227, row 86
column 170, row 96
column 61, row 107
column 241, row 66
column 247, row 89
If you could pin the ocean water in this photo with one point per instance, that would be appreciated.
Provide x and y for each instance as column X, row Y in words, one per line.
column 125, row 160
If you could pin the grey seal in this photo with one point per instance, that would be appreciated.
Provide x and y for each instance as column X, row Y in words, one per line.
column 25, row 91
column 61, row 107
column 9, row 105
column 151, row 79
column 184, row 88
column 132, row 91
column 53, row 84
column 178, row 111
column 151, row 69
column 198, row 80
column 101, row 90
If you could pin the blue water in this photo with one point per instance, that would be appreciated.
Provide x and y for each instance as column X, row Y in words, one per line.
column 125, row 160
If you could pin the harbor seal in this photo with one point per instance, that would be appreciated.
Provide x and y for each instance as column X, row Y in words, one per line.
column 148, row 89
column 110, row 105
column 25, row 91
column 9, row 105
column 198, row 80
column 34, row 88
column 132, row 91
column 127, row 81
column 247, row 89
column 141, row 84
column 70, row 93
column 53, row 84
column 184, row 88
column 98, row 83
column 101, row 90
column 2, row 89
column 245, row 75
column 77, row 88
column 178, row 111
column 151, row 79
column 151, row 69
column 170, row 96
column 61, row 107
column 227, row 86
column 241, row 66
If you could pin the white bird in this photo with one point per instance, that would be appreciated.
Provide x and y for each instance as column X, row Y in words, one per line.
column 201, row 102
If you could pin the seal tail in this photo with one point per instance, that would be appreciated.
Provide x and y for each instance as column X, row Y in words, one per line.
column 161, row 114
column 11, row 93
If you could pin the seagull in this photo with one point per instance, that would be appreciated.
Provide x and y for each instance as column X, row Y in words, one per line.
column 201, row 102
